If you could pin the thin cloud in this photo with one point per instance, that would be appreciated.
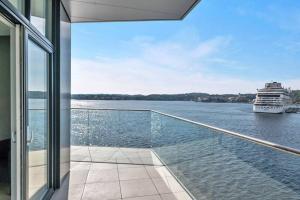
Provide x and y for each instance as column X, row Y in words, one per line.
column 174, row 66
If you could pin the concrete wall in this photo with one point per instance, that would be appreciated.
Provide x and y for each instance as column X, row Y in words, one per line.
column 65, row 87
column 4, row 87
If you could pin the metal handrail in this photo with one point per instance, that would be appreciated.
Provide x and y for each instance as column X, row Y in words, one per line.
column 232, row 133
column 249, row 138
column 113, row 109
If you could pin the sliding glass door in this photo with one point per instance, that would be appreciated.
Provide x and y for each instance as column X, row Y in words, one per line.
column 37, row 109
column 26, row 100
column 9, row 108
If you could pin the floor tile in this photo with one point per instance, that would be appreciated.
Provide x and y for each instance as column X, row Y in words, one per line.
column 80, row 155
column 102, row 153
column 154, row 197
column 68, row 191
column 133, row 173
column 167, row 185
column 106, row 175
column 176, row 196
column 132, row 150
column 142, row 176
column 80, row 166
column 101, row 156
column 102, row 166
column 151, row 161
column 158, row 171
column 102, row 191
column 75, row 192
column 123, row 160
column 135, row 160
column 103, row 149
column 79, row 148
column 138, row 188
column 78, row 176
column 147, row 153
column 121, row 166
column 103, row 159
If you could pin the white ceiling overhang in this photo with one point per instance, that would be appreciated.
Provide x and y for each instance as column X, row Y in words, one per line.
column 127, row 10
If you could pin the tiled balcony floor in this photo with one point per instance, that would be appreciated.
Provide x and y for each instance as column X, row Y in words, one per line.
column 101, row 173
column 114, row 155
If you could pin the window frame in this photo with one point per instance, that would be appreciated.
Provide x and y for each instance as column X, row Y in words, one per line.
column 28, row 31
column 31, row 37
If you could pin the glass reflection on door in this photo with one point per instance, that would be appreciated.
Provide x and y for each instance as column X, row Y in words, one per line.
column 8, row 120
column 37, row 121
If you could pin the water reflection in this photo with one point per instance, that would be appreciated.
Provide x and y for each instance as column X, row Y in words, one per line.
column 210, row 164
column 37, row 130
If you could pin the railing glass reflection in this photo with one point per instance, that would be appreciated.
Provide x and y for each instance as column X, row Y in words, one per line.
column 211, row 164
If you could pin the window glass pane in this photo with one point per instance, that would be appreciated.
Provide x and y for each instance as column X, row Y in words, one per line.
column 41, row 16
column 19, row 4
column 37, row 128
column 7, row 55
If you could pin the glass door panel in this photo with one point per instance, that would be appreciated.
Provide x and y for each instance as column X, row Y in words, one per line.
column 19, row 4
column 37, row 121
column 7, row 109
column 41, row 11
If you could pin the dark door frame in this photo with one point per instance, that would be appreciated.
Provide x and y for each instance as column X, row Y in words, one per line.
column 29, row 36
column 29, row 32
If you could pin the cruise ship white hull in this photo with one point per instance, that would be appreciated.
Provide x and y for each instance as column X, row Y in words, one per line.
column 269, row 109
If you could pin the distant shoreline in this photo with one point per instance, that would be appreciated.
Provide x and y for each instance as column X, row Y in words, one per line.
column 196, row 97
column 155, row 100
column 297, row 104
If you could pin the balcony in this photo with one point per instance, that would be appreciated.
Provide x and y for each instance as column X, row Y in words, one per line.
column 148, row 155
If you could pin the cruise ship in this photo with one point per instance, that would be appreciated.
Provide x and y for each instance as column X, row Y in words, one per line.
column 272, row 99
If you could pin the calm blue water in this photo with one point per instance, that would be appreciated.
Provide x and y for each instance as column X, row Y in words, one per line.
column 211, row 165
column 279, row 128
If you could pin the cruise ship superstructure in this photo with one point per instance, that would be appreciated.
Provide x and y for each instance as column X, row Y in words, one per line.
column 272, row 99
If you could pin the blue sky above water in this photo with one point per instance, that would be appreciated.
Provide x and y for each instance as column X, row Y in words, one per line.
column 222, row 46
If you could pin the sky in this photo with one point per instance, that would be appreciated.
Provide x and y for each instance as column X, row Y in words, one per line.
column 222, row 46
